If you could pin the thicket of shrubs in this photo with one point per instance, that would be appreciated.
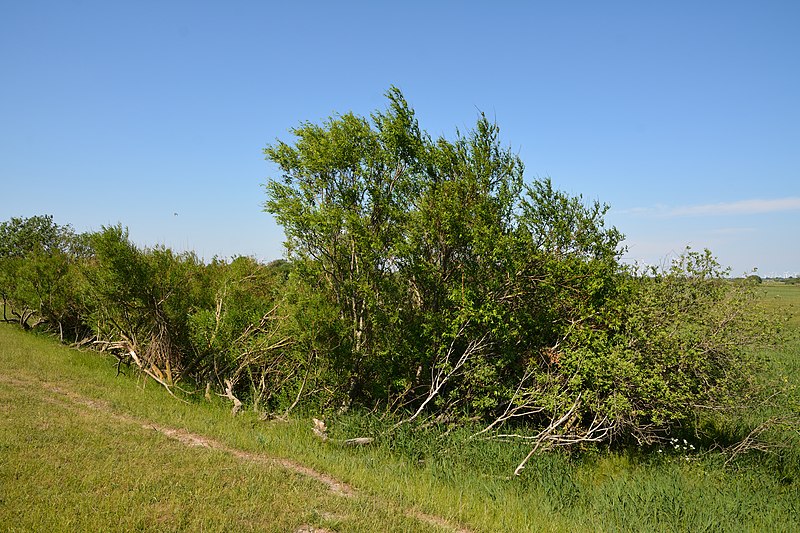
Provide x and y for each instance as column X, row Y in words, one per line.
column 425, row 280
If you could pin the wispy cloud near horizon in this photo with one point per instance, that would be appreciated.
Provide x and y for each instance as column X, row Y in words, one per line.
column 742, row 207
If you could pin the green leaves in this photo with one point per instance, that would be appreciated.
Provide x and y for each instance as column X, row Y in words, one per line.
column 38, row 281
column 424, row 277
column 462, row 291
column 425, row 246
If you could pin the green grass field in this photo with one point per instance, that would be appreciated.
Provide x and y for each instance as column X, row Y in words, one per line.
column 84, row 450
column 786, row 299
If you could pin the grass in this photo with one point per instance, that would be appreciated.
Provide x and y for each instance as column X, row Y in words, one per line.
column 784, row 298
column 64, row 467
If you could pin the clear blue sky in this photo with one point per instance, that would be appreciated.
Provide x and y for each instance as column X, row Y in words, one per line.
column 683, row 116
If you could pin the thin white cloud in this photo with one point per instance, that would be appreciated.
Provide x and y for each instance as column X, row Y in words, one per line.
column 742, row 207
column 734, row 232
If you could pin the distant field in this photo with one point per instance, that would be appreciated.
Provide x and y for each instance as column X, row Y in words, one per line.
column 785, row 298
column 83, row 450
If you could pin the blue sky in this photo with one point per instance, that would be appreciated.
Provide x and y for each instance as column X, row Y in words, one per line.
column 684, row 117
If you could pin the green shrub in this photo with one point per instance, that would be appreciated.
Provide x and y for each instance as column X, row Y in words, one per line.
column 461, row 293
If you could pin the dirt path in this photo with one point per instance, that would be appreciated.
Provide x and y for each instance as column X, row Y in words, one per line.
column 59, row 394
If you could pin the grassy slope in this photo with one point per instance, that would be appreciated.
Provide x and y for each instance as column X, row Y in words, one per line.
column 66, row 467
column 63, row 467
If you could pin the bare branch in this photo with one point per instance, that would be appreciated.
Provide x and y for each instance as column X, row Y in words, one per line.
column 440, row 376
column 237, row 404
column 545, row 433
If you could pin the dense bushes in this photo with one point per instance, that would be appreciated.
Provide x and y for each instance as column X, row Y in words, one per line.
column 171, row 315
column 425, row 280
column 463, row 293
column 140, row 301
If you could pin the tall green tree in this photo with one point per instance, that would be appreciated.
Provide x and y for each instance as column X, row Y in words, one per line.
column 343, row 201
column 461, row 291
column 429, row 248
column 39, row 261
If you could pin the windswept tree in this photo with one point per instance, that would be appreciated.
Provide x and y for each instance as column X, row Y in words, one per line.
column 459, row 291
column 445, row 268
column 344, row 201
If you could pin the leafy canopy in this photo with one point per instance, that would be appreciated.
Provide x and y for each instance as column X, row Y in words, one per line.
column 460, row 290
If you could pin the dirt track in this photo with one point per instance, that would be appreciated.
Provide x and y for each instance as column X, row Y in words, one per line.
column 59, row 394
